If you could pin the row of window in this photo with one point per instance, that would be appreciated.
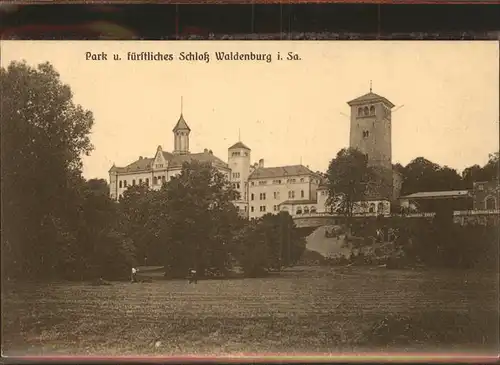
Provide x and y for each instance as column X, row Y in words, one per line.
column 156, row 180
column 366, row 111
column 305, row 210
column 279, row 181
column 236, row 154
column 263, row 208
column 276, row 195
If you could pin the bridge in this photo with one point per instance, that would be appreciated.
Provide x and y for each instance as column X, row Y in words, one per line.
column 315, row 220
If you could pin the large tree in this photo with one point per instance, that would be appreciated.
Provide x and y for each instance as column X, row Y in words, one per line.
column 424, row 175
column 349, row 179
column 44, row 134
column 200, row 218
column 490, row 171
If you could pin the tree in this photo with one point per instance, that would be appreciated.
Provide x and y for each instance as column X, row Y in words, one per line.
column 349, row 178
column 44, row 135
column 200, row 219
column 488, row 172
column 423, row 175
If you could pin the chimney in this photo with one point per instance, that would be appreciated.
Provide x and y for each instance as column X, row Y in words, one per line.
column 140, row 157
column 210, row 152
column 205, row 151
column 261, row 163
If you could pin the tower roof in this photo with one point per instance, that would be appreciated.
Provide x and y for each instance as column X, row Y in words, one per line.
column 181, row 124
column 239, row 145
column 370, row 97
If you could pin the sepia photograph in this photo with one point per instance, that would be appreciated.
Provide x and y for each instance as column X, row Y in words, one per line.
column 263, row 199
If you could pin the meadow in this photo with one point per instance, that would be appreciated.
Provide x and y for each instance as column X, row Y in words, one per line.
column 304, row 309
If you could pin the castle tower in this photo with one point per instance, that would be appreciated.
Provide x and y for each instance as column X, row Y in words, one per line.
column 181, row 137
column 371, row 133
column 239, row 163
column 370, row 130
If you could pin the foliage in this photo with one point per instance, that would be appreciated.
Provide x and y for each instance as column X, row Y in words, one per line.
column 44, row 135
column 348, row 180
column 423, row 175
column 490, row 171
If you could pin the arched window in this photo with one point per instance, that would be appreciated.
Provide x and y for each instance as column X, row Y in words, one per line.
column 299, row 210
column 133, row 182
column 284, row 209
column 372, row 110
column 302, row 193
column 155, row 180
column 491, row 204
column 140, row 181
column 306, row 210
column 372, row 208
column 380, row 208
column 366, row 110
column 313, row 209
column 120, row 184
column 360, row 112
column 251, row 196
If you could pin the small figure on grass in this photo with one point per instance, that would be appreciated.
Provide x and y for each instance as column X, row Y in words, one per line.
column 133, row 277
column 193, row 276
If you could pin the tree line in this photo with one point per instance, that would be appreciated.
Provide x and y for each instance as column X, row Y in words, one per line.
column 57, row 224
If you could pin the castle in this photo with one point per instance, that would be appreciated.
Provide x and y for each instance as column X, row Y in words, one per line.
column 293, row 188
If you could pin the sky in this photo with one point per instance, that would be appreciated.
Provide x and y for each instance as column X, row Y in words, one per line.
column 287, row 111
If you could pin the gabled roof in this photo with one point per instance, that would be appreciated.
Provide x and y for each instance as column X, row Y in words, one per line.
column 142, row 164
column 438, row 194
column 281, row 171
column 370, row 97
column 179, row 160
column 239, row 145
column 181, row 124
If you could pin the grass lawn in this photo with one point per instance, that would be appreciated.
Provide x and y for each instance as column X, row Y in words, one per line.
column 307, row 309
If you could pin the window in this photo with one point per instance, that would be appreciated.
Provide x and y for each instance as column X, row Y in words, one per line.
column 313, row 210
column 163, row 179
column 236, row 175
column 299, row 210
column 159, row 165
column 155, row 180
column 262, row 182
column 360, row 112
column 235, row 154
column 275, row 208
column 372, row 208
column 372, row 110
column 366, row 134
column 140, row 181
column 302, row 179
column 480, row 187
column 276, row 195
column 380, row 208
column 302, row 193
column 251, row 196
column 246, row 208
column 276, row 181
column 262, row 208
column 133, row 182
column 490, row 203
column 237, row 185
column 306, row 210
column 262, row 196
column 365, row 110
column 251, row 209
column 291, row 194
column 147, row 181
column 120, row 184
column 125, row 183
column 252, row 184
